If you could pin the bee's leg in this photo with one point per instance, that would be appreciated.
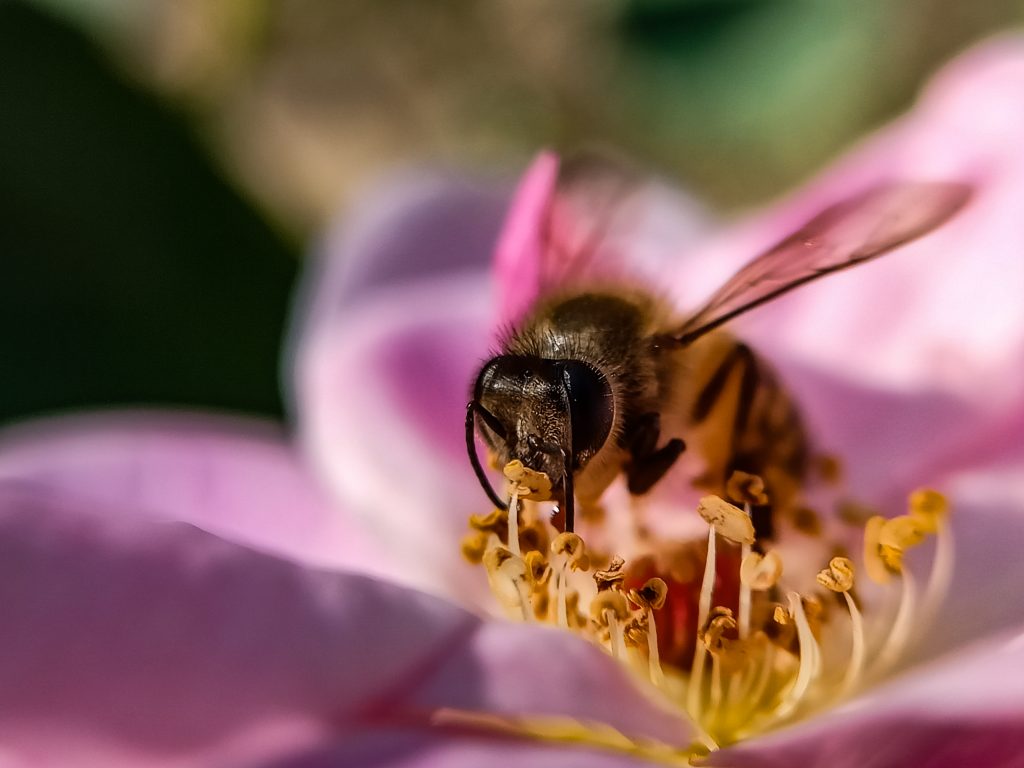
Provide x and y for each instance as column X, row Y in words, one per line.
column 648, row 463
column 642, row 474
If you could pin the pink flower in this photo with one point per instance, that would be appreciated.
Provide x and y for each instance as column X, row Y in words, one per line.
column 180, row 590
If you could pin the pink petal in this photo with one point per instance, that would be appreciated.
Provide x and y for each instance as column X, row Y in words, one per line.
column 984, row 596
column 390, row 335
column 943, row 313
column 238, row 478
column 520, row 248
column 965, row 709
column 382, row 406
column 544, row 672
column 130, row 640
column 405, row 749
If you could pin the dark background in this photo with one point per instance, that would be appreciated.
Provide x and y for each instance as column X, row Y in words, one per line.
column 162, row 164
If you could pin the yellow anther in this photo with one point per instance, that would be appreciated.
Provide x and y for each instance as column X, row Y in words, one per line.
column 635, row 631
column 928, row 508
column 838, row 577
column 612, row 576
column 474, row 545
column 727, row 519
column 527, row 483
column 759, row 571
column 780, row 615
column 901, row 533
column 541, row 603
column 499, row 561
column 534, row 537
column 493, row 522
column 895, row 537
column 806, row 520
column 814, row 609
column 608, row 602
column 719, row 622
column 506, row 573
column 893, row 558
column 876, row 566
column 570, row 547
column 572, row 606
column 537, row 570
column 651, row 595
column 745, row 488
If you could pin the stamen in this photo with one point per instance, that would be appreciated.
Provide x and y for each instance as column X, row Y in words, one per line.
column 650, row 598
column 931, row 510
column 875, row 566
column 901, row 626
column 474, row 545
column 838, row 577
column 893, row 538
column 506, row 573
column 745, row 488
column 530, row 484
column 567, row 551
column 608, row 610
column 760, row 672
column 611, row 577
column 560, row 607
column 513, row 523
column 707, row 585
column 809, row 655
column 538, row 575
column 897, row 536
column 764, row 677
column 714, row 640
column 523, row 483
column 757, row 572
column 744, row 601
column 761, row 572
column 727, row 519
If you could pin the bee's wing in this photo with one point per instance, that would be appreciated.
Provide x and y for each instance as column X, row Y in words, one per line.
column 852, row 231
column 570, row 222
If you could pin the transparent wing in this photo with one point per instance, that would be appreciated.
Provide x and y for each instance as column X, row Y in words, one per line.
column 572, row 221
column 590, row 208
column 850, row 232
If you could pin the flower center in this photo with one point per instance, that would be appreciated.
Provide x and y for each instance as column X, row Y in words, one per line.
column 719, row 625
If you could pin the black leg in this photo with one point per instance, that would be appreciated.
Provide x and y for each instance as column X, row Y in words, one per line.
column 648, row 463
column 646, row 430
column 643, row 474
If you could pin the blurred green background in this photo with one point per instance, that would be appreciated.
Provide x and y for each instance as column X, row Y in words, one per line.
column 163, row 162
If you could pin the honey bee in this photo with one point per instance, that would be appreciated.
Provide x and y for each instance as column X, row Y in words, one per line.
column 600, row 378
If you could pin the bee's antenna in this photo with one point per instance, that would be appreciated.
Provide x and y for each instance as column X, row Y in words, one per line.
column 471, row 409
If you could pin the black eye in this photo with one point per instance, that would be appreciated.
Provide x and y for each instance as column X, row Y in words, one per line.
column 591, row 406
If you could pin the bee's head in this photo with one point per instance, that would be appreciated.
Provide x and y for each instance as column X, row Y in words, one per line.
column 552, row 415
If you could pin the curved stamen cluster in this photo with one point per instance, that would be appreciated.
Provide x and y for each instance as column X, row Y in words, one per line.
column 773, row 650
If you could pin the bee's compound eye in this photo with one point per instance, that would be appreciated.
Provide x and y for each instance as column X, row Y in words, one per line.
column 591, row 406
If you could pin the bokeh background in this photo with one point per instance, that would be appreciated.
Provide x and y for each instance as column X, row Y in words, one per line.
column 164, row 164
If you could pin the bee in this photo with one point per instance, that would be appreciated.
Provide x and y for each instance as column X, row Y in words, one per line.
column 599, row 377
